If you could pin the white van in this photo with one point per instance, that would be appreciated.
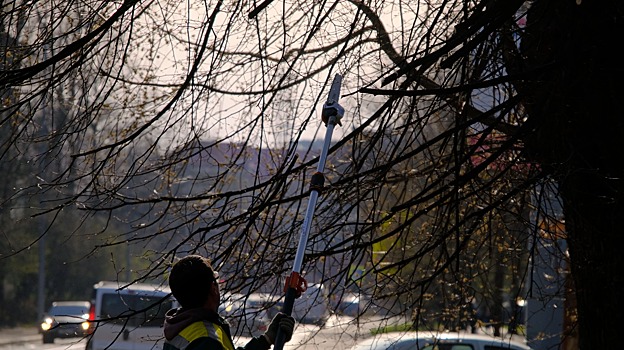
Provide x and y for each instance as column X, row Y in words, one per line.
column 128, row 318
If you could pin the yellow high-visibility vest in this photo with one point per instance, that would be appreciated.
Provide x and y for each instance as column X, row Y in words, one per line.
column 200, row 329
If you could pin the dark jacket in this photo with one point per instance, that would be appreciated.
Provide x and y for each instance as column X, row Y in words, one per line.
column 198, row 329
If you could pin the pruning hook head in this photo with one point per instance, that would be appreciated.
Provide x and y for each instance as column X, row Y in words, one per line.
column 332, row 108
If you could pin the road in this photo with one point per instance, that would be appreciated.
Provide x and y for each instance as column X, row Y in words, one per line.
column 338, row 333
column 59, row 344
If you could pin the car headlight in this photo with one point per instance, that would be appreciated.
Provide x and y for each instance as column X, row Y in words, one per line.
column 47, row 323
column 85, row 325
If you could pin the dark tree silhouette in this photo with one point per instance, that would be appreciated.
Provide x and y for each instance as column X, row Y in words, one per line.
column 160, row 129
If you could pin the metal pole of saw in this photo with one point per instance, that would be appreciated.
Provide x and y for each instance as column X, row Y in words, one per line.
column 295, row 284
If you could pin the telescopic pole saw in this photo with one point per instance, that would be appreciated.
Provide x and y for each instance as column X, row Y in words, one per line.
column 295, row 284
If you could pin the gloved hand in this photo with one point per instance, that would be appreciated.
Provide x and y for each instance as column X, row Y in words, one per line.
column 284, row 323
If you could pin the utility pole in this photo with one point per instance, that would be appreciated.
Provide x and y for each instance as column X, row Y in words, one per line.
column 41, row 281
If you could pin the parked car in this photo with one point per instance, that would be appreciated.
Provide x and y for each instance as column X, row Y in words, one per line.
column 250, row 315
column 65, row 319
column 128, row 317
column 246, row 314
column 349, row 304
column 313, row 306
column 438, row 341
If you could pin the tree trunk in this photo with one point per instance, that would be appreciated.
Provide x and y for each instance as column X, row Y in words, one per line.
column 594, row 236
column 576, row 116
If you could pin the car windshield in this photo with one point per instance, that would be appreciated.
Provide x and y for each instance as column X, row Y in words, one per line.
column 68, row 310
column 275, row 308
column 143, row 310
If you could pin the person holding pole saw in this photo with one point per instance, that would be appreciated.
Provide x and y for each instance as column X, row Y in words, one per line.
column 197, row 324
column 295, row 284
